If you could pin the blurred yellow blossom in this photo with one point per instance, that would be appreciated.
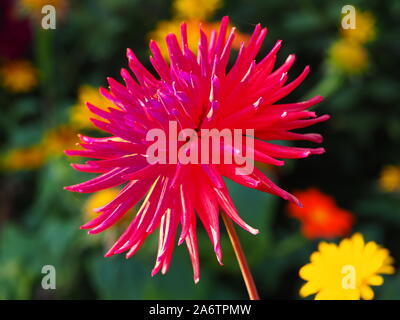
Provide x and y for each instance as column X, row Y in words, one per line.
column 194, row 13
column 80, row 114
column 18, row 76
column 195, row 9
column 165, row 27
column 100, row 199
column 348, row 56
column 34, row 7
column 389, row 179
column 24, row 158
column 346, row 271
column 97, row 200
column 365, row 28
column 53, row 143
column 56, row 140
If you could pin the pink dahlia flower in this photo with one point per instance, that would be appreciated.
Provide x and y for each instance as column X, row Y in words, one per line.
column 196, row 91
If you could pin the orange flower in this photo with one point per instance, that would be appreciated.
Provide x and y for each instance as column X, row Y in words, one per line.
column 320, row 216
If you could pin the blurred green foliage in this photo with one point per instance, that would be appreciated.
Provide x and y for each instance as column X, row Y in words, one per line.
column 40, row 221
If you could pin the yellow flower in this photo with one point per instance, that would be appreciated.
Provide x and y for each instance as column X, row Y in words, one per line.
column 34, row 7
column 346, row 271
column 195, row 9
column 163, row 28
column 389, row 180
column 101, row 198
column 55, row 141
column 80, row 114
column 365, row 28
column 194, row 12
column 348, row 56
column 18, row 76
column 24, row 158
column 98, row 200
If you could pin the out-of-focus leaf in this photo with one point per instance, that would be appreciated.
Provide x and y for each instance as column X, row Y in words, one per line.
column 117, row 277
column 391, row 290
column 257, row 209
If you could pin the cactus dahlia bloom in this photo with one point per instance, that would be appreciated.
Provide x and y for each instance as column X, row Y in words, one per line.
column 197, row 92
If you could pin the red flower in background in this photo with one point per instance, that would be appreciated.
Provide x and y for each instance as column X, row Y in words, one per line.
column 197, row 92
column 320, row 216
column 15, row 32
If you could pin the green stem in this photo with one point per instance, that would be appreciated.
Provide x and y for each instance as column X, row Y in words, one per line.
column 45, row 65
column 244, row 267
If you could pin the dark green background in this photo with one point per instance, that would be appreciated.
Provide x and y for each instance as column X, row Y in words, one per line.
column 40, row 221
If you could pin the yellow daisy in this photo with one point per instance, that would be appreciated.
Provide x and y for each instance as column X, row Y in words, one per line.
column 165, row 27
column 346, row 271
column 79, row 114
column 34, row 7
column 193, row 12
column 53, row 143
column 24, row 159
column 98, row 200
column 348, row 56
column 365, row 28
column 389, row 180
column 101, row 198
column 195, row 9
column 56, row 140
column 18, row 76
